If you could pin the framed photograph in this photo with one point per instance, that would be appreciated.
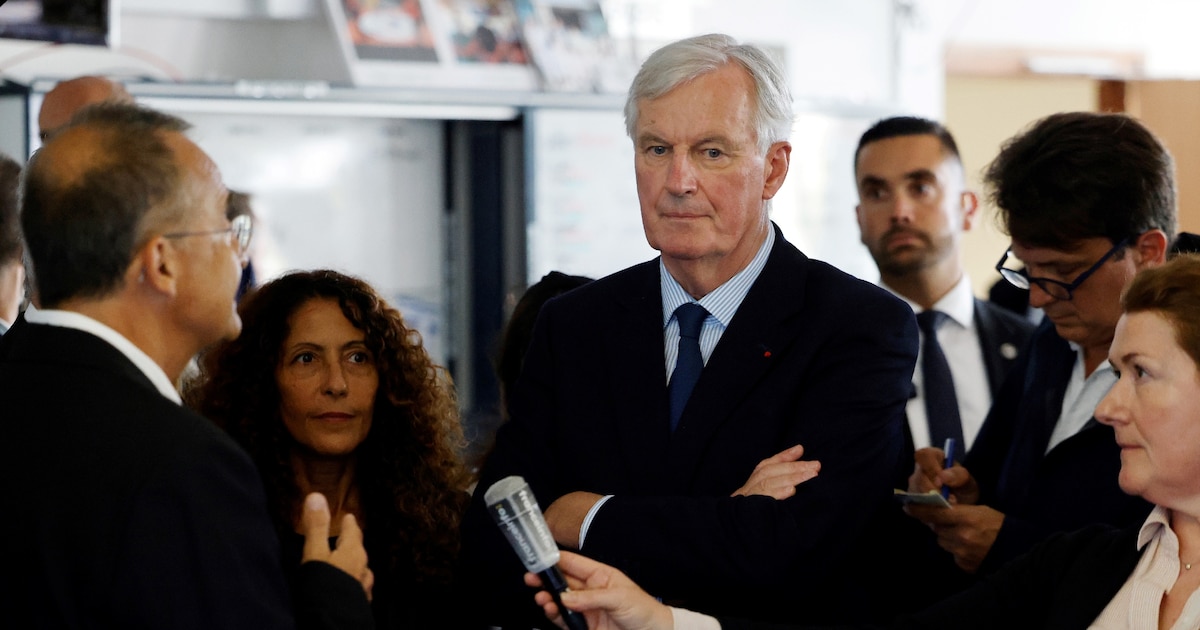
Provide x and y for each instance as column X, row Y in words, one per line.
column 485, row 32
column 568, row 41
column 468, row 44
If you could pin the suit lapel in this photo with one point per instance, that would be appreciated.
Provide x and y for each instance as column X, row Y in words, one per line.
column 1001, row 340
column 764, row 327
column 1050, row 366
column 985, row 328
column 638, row 382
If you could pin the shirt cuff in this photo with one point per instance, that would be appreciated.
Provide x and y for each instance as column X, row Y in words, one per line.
column 587, row 520
column 689, row 620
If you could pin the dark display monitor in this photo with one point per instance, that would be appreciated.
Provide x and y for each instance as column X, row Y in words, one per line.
column 91, row 22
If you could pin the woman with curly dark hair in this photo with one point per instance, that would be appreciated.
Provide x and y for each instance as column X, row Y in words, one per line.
column 329, row 391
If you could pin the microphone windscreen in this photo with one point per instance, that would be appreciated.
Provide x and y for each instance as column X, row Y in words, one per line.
column 516, row 512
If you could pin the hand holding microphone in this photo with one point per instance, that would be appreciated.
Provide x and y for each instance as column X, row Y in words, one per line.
column 516, row 512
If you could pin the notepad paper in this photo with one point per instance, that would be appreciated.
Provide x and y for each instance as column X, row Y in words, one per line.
column 933, row 497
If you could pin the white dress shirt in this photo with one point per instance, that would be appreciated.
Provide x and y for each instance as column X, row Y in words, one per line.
column 959, row 339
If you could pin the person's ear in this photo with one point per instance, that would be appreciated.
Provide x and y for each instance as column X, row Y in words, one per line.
column 862, row 226
column 968, row 202
column 1150, row 248
column 156, row 266
column 775, row 168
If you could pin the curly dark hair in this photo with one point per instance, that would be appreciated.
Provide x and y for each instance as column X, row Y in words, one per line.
column 410, row 475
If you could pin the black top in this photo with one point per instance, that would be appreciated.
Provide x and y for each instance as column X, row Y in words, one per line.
column 400, row 600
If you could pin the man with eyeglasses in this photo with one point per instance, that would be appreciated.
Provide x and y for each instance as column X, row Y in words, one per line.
column 128, row 509
column 1088, row 200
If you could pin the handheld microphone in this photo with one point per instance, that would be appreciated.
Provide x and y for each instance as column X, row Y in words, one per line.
column 517, row 513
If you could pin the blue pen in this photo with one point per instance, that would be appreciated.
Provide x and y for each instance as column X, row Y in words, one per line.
column 949, row 450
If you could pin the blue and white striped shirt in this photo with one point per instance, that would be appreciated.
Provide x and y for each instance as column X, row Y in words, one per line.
column 722, row 303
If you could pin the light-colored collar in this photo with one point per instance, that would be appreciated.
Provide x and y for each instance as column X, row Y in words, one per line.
column 958, row 303
column 722, row 302
column 1080, row 358
column 79, row 321
column 1159, row 517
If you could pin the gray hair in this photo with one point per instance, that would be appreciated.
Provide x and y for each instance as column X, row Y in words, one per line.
column 679, row 62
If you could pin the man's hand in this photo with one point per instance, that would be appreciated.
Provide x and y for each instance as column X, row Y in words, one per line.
column 565, row 516
column 778, row 475
column 966, row 531
column 349, row 555
column 929, row 474
column 606, row 597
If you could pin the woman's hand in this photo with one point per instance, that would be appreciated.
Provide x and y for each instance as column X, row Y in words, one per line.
column 349, row 555
column 606, row 597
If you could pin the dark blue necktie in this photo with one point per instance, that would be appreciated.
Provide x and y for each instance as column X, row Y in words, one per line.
column 687, row 367
column 941, row 403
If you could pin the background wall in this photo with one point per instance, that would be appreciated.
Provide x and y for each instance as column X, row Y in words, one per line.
column 1171, row 108
column 983, row 112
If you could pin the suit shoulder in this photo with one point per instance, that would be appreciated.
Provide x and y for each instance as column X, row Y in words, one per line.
column 157, row 430
column 637, row 275
column 1004, row 318
column 189, row 456
column 636, row 283
column 1091, row 544
column 192, row 432
column 828, row 283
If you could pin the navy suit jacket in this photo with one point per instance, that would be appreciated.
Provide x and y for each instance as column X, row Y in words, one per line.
column 1002, row 337
column 126, row 510
column 1040, row 493
column 813, row 356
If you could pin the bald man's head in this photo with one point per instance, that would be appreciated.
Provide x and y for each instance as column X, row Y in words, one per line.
column 68, row 97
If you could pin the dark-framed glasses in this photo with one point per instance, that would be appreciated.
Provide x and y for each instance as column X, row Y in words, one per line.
column 241, row 228
column 1054, row 288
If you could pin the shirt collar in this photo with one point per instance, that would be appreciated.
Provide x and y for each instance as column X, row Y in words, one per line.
column 722, row 302
column 1158, row 519
column 958, row 303
column 1104, row 365
column 79, row 321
